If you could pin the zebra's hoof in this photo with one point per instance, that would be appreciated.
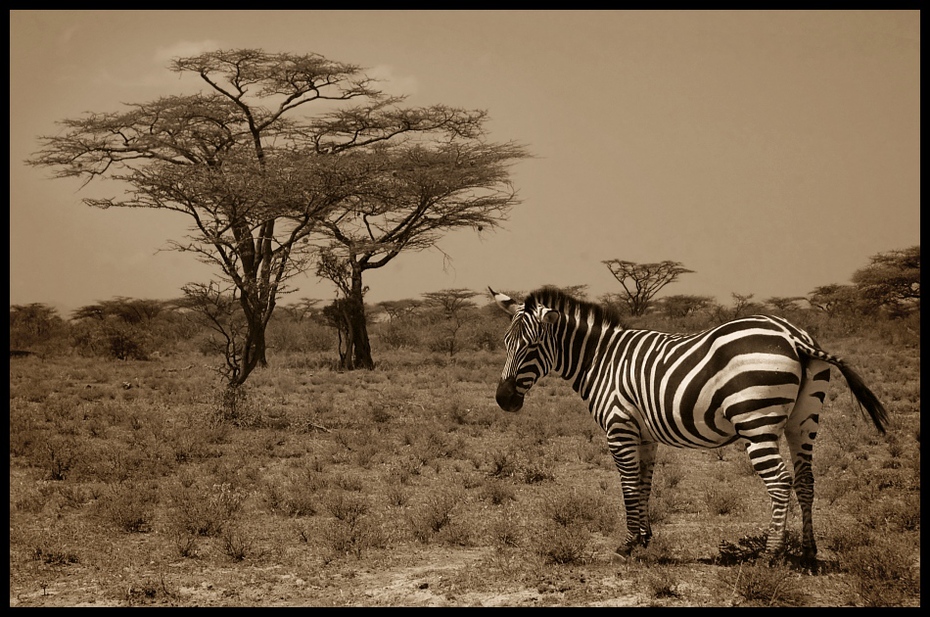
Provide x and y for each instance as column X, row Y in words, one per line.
column 624, row 550
column 627, row 547
column 810, row 564
column 777, row 558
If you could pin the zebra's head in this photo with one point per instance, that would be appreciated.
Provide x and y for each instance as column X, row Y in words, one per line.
column 530, row 345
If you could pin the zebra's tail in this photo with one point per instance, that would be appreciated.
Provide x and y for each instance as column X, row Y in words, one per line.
column 865, row 397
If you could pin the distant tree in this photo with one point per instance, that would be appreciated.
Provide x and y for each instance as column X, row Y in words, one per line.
column 32, row 323
column 304, row 308
column 417, row 192
column 641, row 282
column 743, row 305
column 783, row 304
column 576, row 291
column 891, row 280
column 453, row 305
column 395, row 309
column 834, row 299
column 218, row 309
column 683, row 305
column 128, row 310
column 121, row 328
column 253, row 172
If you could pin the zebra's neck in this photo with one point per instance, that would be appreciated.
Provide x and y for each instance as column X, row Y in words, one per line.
column 578, row 348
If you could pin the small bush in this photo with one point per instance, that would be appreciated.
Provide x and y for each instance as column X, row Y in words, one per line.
column 58, row 456
column 205, row 512
column 536, row 471
column 184, row 542
column 723, row 500
column 290, row 497
column 430, row 517
column 661, row 583
column 885, row 572
column 659, row 552
column 129, row 506
column 503, row 464
column 237, row 543
column 505, row 531
column 497, row 492
column 397, row 495
column 54, row 555
column 576, row 508
column 564, row 545
column 764, row 585
column 347, row 507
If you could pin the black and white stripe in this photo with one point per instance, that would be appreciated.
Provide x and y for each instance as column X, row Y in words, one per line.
column 755, row 379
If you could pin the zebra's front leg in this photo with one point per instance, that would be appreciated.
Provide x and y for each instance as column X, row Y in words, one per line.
column 647, row 461
column 626, row 456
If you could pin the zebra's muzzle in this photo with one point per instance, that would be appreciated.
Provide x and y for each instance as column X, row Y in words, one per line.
column 508, row 398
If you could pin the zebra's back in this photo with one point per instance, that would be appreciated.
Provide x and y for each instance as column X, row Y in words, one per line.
column 705, row 390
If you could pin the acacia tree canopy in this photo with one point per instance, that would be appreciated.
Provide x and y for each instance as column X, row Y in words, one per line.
column 891, row 280
column 641, row 282
column 416, row 192
column 253, row 171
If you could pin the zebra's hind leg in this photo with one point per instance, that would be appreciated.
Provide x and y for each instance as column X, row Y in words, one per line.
column 800, row 432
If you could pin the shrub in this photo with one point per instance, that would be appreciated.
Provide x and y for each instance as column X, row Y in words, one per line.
column 237, row 543
column 764, row 585
column 576, row 508
column 294, row 496
column 205, row 512
column 130, row 506
column 885, row 572
column 503, row 464
column 505, row 531
column 431, row 516
column 661, row 583
column 345, row 506
column 537, row 470
column 723, row 500
column 497, row 492
column 564, row 545
column 58, row 456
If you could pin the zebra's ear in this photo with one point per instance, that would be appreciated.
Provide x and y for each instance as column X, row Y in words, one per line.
column 504, row 301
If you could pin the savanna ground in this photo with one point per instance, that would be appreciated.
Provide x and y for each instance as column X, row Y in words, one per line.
column 135, row 483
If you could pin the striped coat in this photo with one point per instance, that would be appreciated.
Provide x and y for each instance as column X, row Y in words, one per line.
column 754, row 379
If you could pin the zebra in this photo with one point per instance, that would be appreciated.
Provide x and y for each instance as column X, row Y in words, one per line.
column 753, row 378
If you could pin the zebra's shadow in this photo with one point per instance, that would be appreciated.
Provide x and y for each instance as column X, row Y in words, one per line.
column 748, row 550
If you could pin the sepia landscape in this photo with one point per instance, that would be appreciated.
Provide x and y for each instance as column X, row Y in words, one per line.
column 135, row 482
column 257, row 357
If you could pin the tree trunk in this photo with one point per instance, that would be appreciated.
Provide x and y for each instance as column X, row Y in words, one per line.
column 360, row 350
column 253, row 352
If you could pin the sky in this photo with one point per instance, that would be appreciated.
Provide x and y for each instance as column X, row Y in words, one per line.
column 770, row 152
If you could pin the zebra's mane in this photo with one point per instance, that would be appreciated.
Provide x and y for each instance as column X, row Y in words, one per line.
column 555, row 298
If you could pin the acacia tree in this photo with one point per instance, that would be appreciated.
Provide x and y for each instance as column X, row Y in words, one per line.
column 641, row 282
column 834, row 299
column 254, row 173
column 743, row 305
column 891, row 280
column 32, row 323
column 683, row 305
column 784, row 304
column 415, row 193
column 453, row 305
